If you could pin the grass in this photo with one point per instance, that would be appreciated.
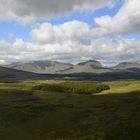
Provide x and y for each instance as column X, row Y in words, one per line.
column 122, row 87
column 46, row 115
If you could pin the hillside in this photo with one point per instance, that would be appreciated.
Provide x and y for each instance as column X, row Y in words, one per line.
column 92, row 63
column 41, row 66
column 89, row 70
column 91, row 66
column 8, row 74
column 127, row 65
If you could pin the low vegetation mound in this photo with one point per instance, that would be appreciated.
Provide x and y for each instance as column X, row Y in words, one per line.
column 73, row 87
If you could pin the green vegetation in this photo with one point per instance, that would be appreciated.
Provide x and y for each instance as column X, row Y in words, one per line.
column 27, row 114
column 120, row 87
column 73, row 87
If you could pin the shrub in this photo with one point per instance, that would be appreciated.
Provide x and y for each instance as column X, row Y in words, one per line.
column 74, row 87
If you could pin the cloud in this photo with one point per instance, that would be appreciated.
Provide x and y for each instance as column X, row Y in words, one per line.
column 47, row 33
column 126, row 21
column 72, row 41
column 27, row 11
column 69, row 42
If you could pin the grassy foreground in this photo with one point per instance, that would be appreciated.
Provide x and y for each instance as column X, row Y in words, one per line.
column 27, row 114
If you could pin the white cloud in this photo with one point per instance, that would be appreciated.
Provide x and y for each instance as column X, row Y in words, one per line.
column 44, row 34
column 72, row 41
column 69, row 42
column 26, row 11
column 47, row 33
column 127, row 20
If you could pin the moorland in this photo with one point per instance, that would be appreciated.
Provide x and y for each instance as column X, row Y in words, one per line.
column 64, row 110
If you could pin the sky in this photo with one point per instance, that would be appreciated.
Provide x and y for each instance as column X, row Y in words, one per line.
column 70, row 31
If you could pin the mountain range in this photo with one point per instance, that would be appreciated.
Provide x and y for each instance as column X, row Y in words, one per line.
column 54, row 67
column 41, row 67
column 89, row 70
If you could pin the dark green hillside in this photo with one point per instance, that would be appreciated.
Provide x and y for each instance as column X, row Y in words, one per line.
column 7, row 74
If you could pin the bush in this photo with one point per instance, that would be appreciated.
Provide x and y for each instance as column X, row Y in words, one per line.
column 74, row 87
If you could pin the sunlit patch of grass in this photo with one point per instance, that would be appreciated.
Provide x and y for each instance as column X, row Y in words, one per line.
column 122, row 87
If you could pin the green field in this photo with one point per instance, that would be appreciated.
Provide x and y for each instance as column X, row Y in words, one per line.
column 29, row 113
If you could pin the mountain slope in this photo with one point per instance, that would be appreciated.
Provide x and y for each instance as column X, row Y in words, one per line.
column 41, row 66
column 127, row 66
column 11, row 75
column 90, row 66
column 7, row 74
column 92, row 63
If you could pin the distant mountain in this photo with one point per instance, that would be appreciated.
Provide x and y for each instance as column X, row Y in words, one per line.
column 44, row 66
column 91, row 66
column 91, row 63
column 97, row 74
column 127, row 66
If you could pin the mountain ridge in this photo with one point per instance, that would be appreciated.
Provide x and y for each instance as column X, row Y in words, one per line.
column 41, row 67
column 56, row 67
column 127, row 65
